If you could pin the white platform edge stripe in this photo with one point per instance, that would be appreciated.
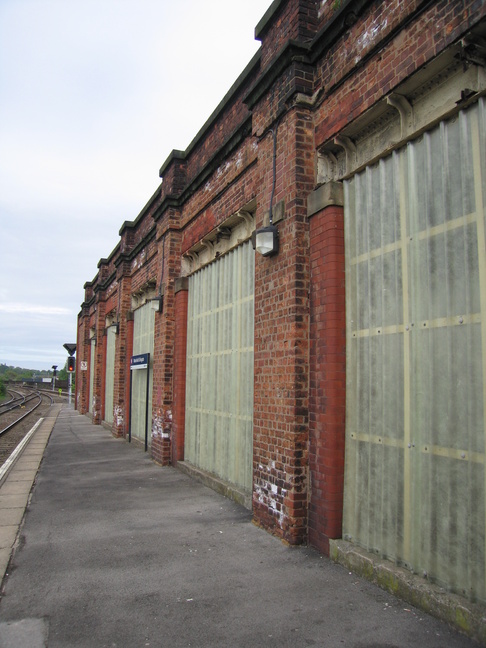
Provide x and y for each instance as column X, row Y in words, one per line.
column 4, row 470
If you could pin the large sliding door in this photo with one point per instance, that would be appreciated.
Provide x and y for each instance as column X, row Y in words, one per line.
column 143, row 342
column 416, row 363
column 110, row 373
column 219, row 394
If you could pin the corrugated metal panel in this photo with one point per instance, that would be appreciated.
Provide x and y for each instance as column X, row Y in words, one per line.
column 91, row 374
column 110, row 373
column 143, row 342
column 219, row 394
column 416, row 344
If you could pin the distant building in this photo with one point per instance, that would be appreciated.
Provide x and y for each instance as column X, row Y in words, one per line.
column 337, row 387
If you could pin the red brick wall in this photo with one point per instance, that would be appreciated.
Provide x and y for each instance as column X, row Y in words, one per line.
column 98, row 373
column 162, row 398
column 186, row 173
column 295, row 20
column 82, row 385
column 234, row 114
column 299, row 379
column 123, row 351
column 231, row 186
column 327, row 386
column 375, row 56
column 126, row 367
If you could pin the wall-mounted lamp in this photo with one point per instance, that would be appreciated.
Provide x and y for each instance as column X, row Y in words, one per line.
column 157, row 303
column 266, row 240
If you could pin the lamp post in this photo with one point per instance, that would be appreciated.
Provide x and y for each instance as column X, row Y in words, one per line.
column 54, row 367
column 71, row 349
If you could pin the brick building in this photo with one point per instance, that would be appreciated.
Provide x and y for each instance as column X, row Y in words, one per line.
column 336, row 386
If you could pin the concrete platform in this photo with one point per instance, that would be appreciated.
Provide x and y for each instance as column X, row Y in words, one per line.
column 16, row 481
column 115, row 551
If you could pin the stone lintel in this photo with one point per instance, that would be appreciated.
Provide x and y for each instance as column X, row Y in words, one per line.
column 181, row 283
column 330, row 193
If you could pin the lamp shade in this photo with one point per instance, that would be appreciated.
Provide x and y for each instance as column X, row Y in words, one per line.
column 157, row 303
column 266, row 240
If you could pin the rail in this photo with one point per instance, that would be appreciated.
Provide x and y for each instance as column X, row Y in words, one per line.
column 20, row 401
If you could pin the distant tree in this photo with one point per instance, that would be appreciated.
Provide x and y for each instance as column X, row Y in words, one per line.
column 63, row 374
column 3, row 389
column 19, row 373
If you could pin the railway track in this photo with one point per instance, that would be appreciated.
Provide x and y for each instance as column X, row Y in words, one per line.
column 20, row 402
column 18, row 415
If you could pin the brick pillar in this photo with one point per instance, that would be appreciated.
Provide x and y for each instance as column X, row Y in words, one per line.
column 165, row 333
column 281, row 357
column 123, row 350
column 82, row 355
column 180, row 350
column 161, row 414
column 129, row 353
column 327, row 394
column 98, row 362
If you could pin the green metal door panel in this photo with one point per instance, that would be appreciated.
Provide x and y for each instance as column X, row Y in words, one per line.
column 143, row 342
column 110, row 373
column 416, row 355
column 219, row 384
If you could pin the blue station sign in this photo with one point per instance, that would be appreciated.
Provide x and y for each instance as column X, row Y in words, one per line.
column 140, row 361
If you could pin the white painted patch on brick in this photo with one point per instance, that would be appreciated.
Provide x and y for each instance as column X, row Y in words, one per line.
column 161, row 425
column 369, row 36
column 118, row 415
column 322, row 7
column 267, row 493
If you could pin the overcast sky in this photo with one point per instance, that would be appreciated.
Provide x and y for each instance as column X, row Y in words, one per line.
column 94, row 95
